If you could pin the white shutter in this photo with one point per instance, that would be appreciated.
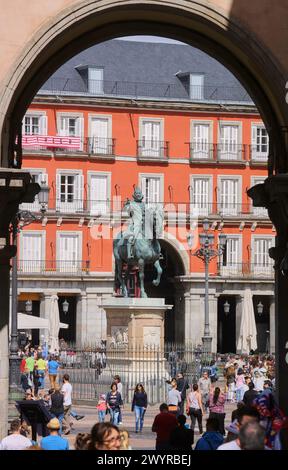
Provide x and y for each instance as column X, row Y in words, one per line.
column 63, row 126
column 229, row 142
column 201, row 195
column 43, row 125
column 196, row 86
column 32, row 252
column 98, row 194
column 58, row 191
column 201, row 141
column 147, row 137
column 100, row 133
column 95, row 80
column 144, row 187
column 79, row 130
column 68, row 255
column 233, row 255
column 78, row 194
column 229, row 196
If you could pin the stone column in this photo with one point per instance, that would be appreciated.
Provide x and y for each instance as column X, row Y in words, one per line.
column 272, row 325
column 239, row 309
column 81, row 320
column 213, row 320
column 44, row 312
column 194, row 318
column 94, row 320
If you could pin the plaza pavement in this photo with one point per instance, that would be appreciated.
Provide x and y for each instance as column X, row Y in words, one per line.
column 144, row 441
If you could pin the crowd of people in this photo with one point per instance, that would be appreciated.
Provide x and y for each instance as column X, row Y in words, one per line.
column 248, row 382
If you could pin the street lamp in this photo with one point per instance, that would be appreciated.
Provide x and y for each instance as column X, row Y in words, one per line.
column 21, row 219
column 65, row 306
column 260, row 308
column 206, row 253
column 226, row 307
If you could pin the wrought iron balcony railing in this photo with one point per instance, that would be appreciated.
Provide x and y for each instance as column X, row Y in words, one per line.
column 152, row 149
column 50, row 267
column 229, row 151
column 246, row 269
column 258, row 153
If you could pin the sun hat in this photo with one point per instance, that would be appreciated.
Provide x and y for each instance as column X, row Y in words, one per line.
column 53, row 424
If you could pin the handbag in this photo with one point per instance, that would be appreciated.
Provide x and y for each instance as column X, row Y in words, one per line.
column 172, row 408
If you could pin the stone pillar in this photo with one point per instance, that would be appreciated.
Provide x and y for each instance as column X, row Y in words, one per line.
column 81, row 321
column 194, row 318
column 44, row 312
column 94, row 320
column 213, row 320
column 272, row 325
column 239, row 309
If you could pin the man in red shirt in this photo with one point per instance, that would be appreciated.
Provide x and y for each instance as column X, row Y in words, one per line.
column 164, row 424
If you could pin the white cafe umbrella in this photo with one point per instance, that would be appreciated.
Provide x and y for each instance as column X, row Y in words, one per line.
column 248, row 332
column 54, row 324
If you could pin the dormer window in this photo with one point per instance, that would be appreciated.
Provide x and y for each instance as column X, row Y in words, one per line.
column 95, row 80
column 196, row 86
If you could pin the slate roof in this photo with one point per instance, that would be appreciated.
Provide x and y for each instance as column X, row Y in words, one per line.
column 142, row 69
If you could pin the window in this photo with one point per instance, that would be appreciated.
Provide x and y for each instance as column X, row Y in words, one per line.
column 71, row 125
column 68, row 252
column 151, row 131
column 261, row 262
column 40, row 177
column 34, row 124
column 99, row 193
column 32, row 252
column 200, row 141
column 201, row 195
column 258, row 211
column 152, row 189
column 260, row 142
column 95, row 80
column 229, row 197
column 100, row 135
column 69, row 192
column 229, row 148
column 232, row 256
column 196, row 86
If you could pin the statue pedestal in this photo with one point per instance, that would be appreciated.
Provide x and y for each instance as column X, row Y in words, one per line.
column 135, row 343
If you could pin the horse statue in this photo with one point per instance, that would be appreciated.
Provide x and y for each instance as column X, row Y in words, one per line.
column 138, row 245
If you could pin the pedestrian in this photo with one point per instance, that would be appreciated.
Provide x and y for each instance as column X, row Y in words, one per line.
column 15, row 440
column 36, row 380
column 216, row 407
column 42, row 367
column 139, row 406
column 204, row 384
column 54, row 441
column 114, row 403
column 239, row 385
column 57, row 406
column 174, row 398
column 194, row 407
column 117, row 380
column 246, row 415
column 182, row 387
column 230, row 383
column 104, row 436
column 164, row 423
column 67, row 391
column 30, row 362
column 101, row 408
column 181, row 438
column 213, row 372
column 53, row 366
column 252, row 437
column 250, row 395
column 212, row 438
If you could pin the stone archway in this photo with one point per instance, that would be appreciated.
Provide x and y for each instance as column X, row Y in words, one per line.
column 248, row 37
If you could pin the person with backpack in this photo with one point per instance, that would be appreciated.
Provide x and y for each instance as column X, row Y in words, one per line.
column 114, row 403
column 212, row 438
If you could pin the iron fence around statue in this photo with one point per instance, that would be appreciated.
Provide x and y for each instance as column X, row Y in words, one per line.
column 92, row 369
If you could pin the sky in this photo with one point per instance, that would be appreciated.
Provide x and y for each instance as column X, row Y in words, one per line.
column 149, row 39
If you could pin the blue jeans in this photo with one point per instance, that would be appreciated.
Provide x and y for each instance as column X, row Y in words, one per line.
column 239, row 394
column 41, row 376
column 114, row 414
column 139, row 417
column 101, row 415
column 60, row 418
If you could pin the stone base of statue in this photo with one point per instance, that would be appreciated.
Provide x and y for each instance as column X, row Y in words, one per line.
column 135, row 343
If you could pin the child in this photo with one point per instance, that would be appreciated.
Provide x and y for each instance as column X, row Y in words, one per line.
column 101, row 407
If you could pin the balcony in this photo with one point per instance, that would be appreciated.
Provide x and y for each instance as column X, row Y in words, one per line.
column 59, row 145
column 53, row 267
column 152, row 150
column 204, row 152
column 258, row 153
column 247, row 270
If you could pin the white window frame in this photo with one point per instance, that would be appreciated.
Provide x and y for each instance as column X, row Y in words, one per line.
column 160, row 176
column 221, row 153
column 77, row 204
column 209, row 152
column 61, row 115
column 258, row 156
column 233, row 270
column 142, row 120
column 25, row 267
column 62, row 268
column 108, row 202
column 198, row 94
column 262, row 270
column 202, row 211
column 96, row 91
column 39, row 114
column 258, row 211
column 229, row 211
column 108, row 117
